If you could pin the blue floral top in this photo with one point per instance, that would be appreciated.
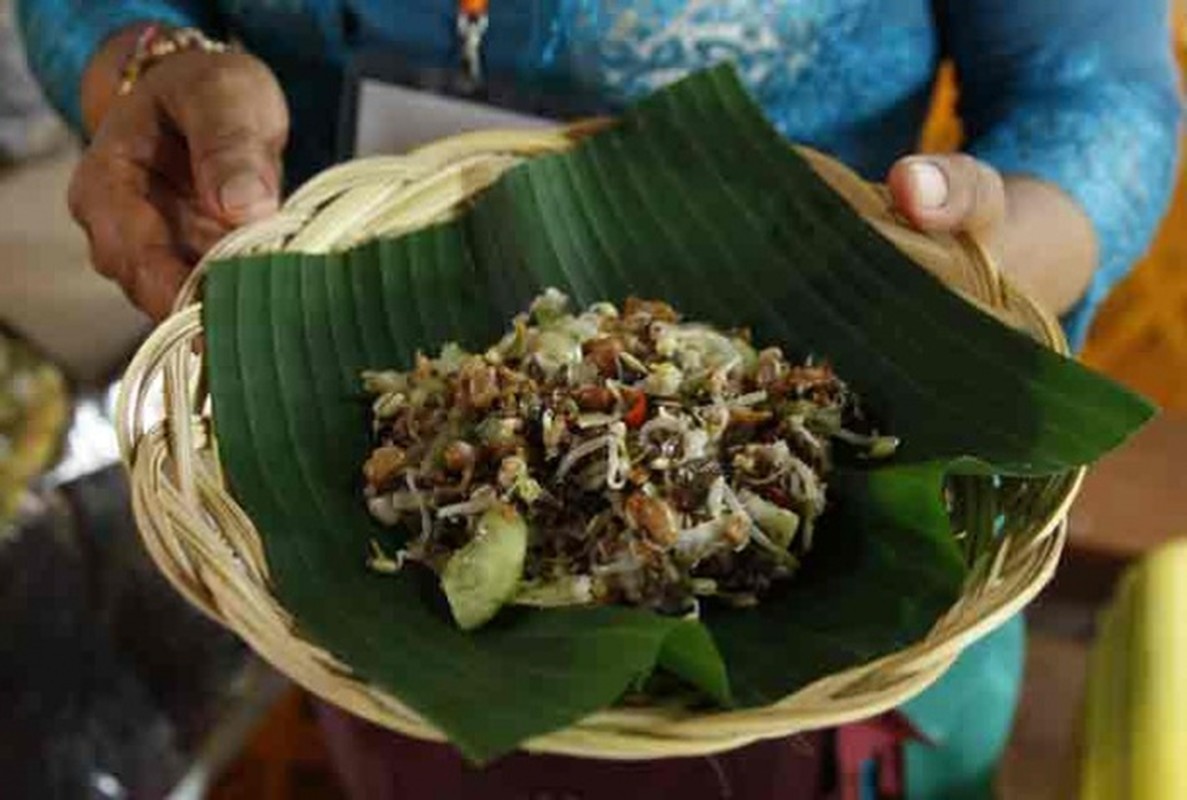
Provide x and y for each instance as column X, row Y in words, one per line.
column 1080, row 93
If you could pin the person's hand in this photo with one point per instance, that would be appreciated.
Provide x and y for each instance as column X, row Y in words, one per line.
column 1038, row 235
column 191, row 152
column 949, row 193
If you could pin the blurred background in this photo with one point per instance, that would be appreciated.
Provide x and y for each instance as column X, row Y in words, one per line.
column 111, row 687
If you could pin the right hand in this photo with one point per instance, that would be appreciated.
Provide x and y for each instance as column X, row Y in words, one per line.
column 193, row 151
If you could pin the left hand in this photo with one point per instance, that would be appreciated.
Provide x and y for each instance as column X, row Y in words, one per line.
column 949, row 193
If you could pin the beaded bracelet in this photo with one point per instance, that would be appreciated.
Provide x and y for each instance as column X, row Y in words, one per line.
column 157, row 42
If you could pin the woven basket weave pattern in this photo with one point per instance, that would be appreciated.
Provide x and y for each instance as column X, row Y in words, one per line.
column 207, row 547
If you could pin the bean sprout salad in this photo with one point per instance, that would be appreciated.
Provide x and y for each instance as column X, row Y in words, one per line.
column 609, row 456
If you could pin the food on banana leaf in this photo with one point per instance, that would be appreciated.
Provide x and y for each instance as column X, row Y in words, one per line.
column 609, row 456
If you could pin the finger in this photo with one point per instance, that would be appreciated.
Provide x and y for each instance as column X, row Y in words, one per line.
column 131, row 241
column 947, row 193
column 150, row 270
column 150, row 274
column 155, row 279
column 194, row 230
column 235, row 123
column 98, row 199
column 172, row 191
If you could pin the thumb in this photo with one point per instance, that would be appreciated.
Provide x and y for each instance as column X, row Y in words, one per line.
column 235, row 123
column 948, row 193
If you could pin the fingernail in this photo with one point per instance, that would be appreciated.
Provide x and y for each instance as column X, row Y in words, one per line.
column 246, row 195
column 929, row 184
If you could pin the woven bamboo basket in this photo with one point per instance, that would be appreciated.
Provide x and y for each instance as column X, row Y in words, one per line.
column 207, row 547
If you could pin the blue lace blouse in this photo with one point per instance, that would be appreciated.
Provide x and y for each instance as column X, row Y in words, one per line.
column 1082, row 94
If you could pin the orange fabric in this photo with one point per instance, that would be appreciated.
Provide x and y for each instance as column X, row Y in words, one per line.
column 942, row 130
column 473, row 8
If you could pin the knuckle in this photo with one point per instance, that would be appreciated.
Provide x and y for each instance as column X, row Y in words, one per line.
column 241, row 78
column 108, row 261
column 231, row 76
column 266, row 107
column 227, row 103
column 87, row 175
column 92, row 175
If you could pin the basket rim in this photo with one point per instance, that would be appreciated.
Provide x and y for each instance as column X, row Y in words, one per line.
column 176, row 458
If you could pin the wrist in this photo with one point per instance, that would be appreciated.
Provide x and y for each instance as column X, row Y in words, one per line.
column 152, row 43
column 103, row 74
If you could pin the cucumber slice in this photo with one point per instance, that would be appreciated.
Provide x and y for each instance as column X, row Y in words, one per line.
column 483, row 575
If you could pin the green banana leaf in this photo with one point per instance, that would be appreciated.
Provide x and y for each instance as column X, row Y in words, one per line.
column 693, row 198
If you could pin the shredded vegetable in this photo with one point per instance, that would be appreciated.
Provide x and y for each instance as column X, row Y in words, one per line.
column 650, row 461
